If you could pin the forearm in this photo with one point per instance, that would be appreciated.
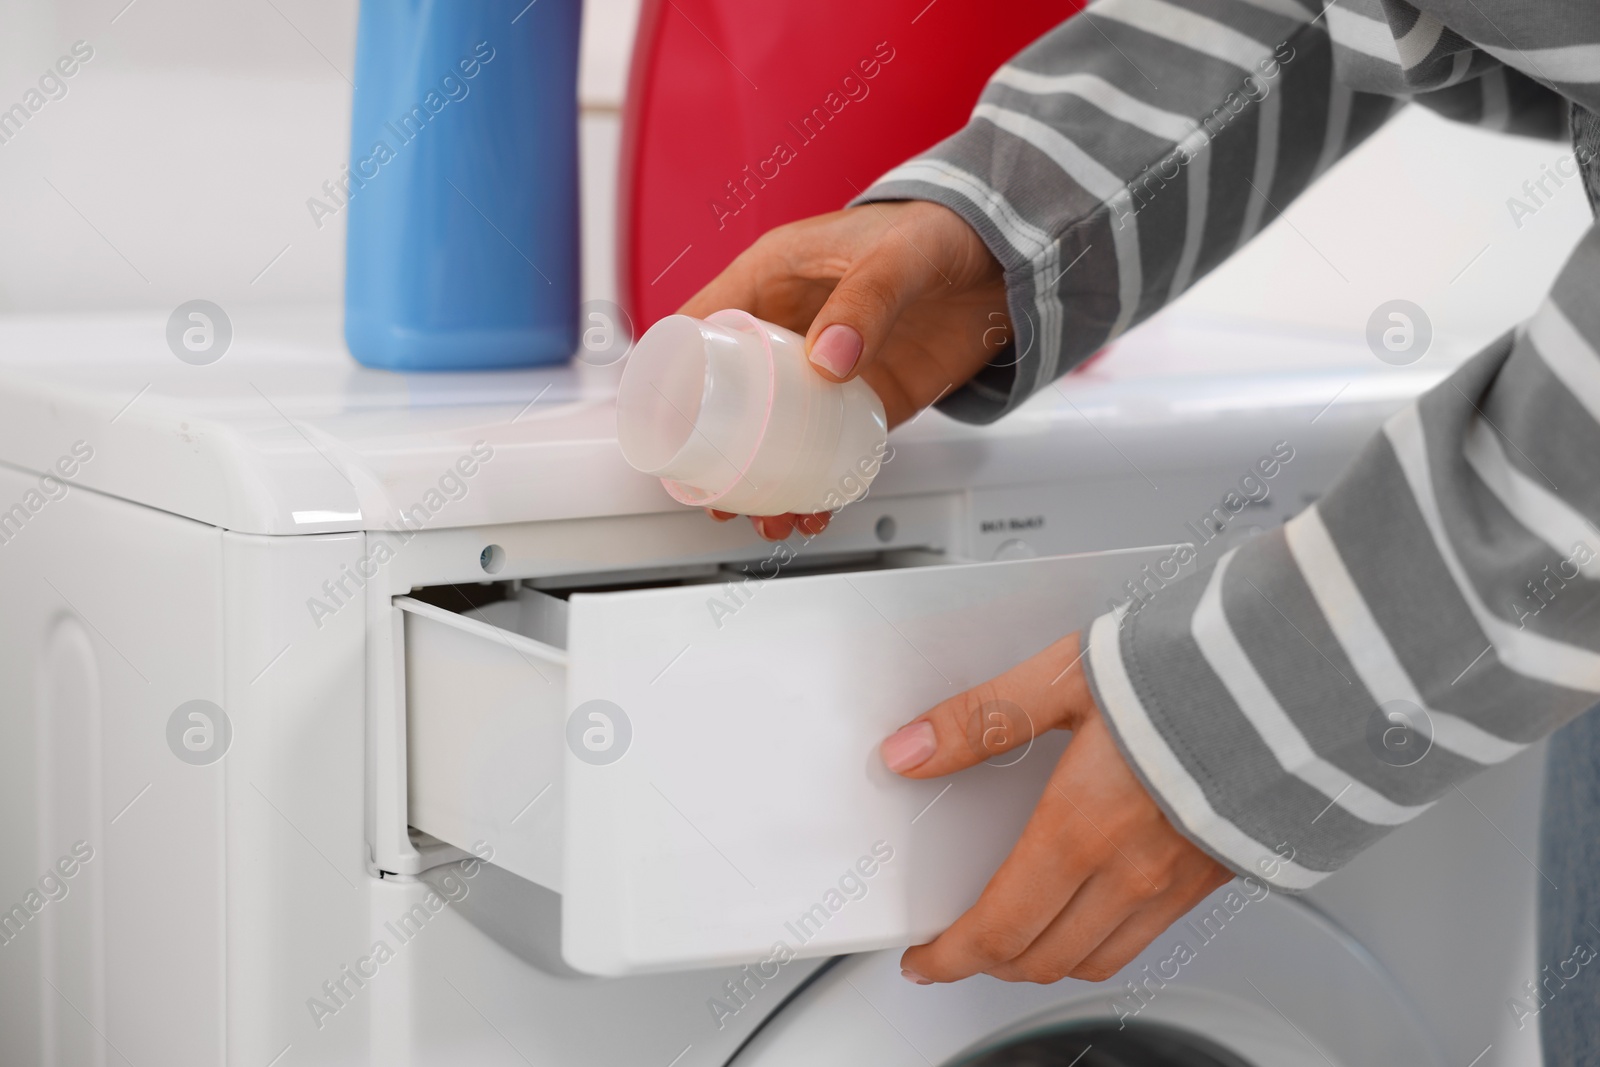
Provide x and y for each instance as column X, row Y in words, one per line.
column 1432, row 615
column 1121, row 157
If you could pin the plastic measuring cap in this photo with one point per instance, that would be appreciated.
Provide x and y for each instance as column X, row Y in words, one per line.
column 729, row 413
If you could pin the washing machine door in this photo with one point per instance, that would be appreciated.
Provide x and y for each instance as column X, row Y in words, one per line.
column 1255, row 980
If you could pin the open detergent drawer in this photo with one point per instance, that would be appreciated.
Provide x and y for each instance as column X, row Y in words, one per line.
column 696, row 770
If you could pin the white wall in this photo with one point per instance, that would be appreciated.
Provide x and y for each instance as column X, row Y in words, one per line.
column 191, row 142
column 193, row 138
column 1402, row 218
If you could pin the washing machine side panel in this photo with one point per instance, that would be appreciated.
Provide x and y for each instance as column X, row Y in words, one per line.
column 300, row 901
column 471, row 969
column 1449, row 903
column 111, row 621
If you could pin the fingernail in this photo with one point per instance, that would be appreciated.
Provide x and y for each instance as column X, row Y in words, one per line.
column 768, row 529
column 913, row 976
column 837, row 349
column 909, row 746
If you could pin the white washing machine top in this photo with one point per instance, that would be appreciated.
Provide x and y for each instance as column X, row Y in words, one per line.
column 286, row 434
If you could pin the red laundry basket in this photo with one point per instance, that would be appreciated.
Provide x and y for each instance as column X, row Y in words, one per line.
column 746, row 114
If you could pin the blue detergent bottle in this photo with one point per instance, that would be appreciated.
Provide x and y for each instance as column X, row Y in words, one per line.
column 463, row 185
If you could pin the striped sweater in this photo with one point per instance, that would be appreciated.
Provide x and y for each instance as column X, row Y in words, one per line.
column 1435, row 612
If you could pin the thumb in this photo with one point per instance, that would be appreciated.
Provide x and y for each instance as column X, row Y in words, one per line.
column 850, row 330
column 1045, row 692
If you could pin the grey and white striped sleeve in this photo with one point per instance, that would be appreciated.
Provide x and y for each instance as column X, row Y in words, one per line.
column 1121, row 157
column 1445, row 591
column 1447, row 585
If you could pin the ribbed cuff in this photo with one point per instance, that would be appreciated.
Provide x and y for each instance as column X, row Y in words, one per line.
column 996, row 388
column 1112, row 665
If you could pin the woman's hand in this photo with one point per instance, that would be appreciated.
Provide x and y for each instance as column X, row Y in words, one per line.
column 1098, row 873
column 904, row 295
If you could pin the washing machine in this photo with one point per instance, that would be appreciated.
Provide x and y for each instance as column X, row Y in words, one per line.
column 351, row 717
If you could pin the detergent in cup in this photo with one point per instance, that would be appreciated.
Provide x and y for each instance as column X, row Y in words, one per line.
column 730, row 414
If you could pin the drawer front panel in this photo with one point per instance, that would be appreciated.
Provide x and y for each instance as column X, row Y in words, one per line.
column 748, row 813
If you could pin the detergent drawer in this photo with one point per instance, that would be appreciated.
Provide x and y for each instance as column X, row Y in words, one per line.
column 695, row 768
